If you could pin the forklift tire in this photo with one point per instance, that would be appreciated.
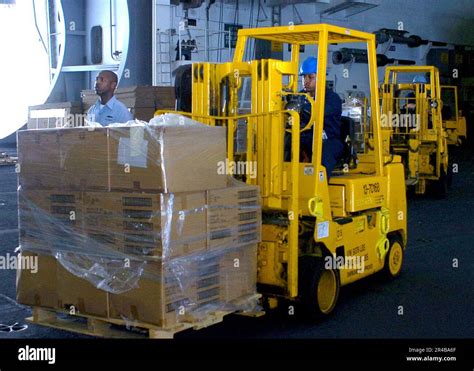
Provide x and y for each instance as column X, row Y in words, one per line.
column 318, row 287
column 394, row 258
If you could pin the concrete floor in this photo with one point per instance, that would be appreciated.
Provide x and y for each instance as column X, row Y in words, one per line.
column 437, row 299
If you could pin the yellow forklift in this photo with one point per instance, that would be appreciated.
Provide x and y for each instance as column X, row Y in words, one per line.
column 317, row 235
column 413, row 127
column 453, row 121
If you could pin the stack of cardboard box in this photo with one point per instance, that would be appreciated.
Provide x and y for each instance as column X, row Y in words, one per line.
column 141, row 217
column 142, row 101
column 55, row 115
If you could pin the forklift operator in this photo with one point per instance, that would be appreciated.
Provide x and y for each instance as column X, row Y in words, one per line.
column 333, row 145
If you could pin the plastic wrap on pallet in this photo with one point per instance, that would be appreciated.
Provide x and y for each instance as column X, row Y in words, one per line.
column 171, row 154
column 131, row 252
column 86, row 231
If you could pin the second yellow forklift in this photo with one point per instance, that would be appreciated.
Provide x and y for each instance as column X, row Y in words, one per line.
column 413, row 127
column 453, row 121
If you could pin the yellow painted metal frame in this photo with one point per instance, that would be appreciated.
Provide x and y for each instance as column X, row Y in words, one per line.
column 321, row 35
column 456, row 128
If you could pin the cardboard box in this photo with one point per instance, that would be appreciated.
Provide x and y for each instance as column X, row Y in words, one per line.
column 168, row 225
column 49, row 219
column 166, row 158
column 55, row 115
column 78, row 296
column 38, row 159
column 155, row 97
column 142, row 224
column 152, row 159
column 146, row 303
column 198, row 273
column 239, row 203
column 52, row 286
column 143, row 113
column 234, row 217
column 178, row 290
column 70, row 159
column 40, row 288
column 237, row 235
column 239, row 272
column 171, row 292
column 83, row 159
column 145, row 224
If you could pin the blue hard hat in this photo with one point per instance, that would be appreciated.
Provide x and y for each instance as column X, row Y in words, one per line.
column 420, row 79
column 309, row 66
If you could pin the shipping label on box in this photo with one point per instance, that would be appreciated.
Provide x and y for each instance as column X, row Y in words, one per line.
column 134, row 159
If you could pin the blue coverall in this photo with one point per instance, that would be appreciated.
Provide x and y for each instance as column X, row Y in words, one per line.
column 333, row 145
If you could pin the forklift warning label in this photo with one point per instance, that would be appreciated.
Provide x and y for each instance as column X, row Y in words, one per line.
column 323, row 230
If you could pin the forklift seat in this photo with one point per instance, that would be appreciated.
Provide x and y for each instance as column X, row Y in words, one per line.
column 349, row 155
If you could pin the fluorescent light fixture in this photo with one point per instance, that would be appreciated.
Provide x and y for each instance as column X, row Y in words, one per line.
column 349, row 8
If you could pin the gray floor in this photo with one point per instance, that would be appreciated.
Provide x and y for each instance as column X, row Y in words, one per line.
column 437, row 299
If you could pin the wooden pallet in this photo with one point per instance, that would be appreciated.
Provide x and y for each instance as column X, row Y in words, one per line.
column 116, row 328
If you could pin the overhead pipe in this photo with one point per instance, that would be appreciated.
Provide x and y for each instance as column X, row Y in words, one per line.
column 346, row 55
column 399, row 37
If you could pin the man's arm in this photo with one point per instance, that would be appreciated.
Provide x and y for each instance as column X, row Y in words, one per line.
column 333, row 105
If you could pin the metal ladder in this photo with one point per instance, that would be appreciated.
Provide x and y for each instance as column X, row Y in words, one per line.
column 163, row 64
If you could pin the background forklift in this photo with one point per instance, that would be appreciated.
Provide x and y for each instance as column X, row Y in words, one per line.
column 311, row 228
column 412, row 125
column 453, row 122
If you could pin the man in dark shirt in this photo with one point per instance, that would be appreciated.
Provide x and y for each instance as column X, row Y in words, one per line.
column 333, row 145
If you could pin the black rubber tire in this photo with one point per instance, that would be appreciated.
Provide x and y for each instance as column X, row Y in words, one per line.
column 386, row 272
column 311, row 270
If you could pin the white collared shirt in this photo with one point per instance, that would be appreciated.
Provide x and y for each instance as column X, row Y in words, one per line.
column 113, row 112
